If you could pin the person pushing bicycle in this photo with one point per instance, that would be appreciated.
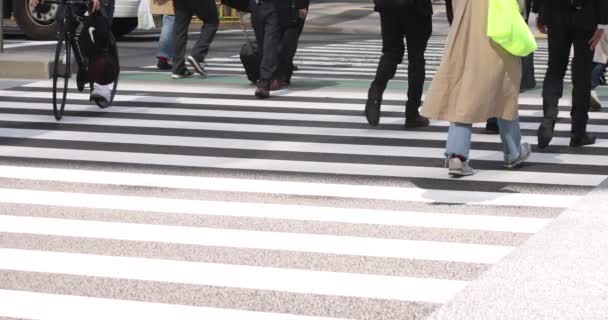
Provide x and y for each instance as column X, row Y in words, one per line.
column 101, row 93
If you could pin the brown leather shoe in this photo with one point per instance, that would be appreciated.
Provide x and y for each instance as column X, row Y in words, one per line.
column 262, row 93
column 275, row 85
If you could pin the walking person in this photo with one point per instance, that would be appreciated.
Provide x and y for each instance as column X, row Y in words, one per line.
column 477, row 80
column 569, row 22
column 292, row 23
column 166, row 42
column 600, row 60
column 265, row 21
column 205, row 10
column 412, row 20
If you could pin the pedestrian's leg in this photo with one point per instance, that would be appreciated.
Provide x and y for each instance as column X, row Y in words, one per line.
column 166, row 42
column 458, row 148
column 560, row 42
column 515, row 153
column 183, row 16
column 392, row 55
column 581, row 93
column 206, row 10
column 393, row 47
column 272, row 34
column 418, row 30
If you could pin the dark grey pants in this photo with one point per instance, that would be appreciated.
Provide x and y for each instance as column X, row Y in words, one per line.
column 265, row 22
column 397, row 25
column 205, row 10
column 289, row 46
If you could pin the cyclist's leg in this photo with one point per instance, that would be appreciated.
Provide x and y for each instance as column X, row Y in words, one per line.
column 102, row 94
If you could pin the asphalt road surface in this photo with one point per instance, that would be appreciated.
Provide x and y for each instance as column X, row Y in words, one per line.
column 193, row 200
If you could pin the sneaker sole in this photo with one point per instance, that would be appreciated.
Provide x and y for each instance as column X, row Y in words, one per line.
column 197, row 66
column 519, row 162
column 455, row 173
column 173, row 76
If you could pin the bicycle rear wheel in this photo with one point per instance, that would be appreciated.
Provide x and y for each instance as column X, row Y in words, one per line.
column 61, row 74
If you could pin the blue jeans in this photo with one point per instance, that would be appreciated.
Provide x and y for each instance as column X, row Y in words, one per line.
column 167, row 38
column 596, row 74
column 459, row 139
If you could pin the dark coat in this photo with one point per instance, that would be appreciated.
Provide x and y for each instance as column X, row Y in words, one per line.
column 587, row 14
column 424, row 7
column 288, row 11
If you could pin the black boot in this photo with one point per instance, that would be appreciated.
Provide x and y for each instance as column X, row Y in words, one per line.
column 372, row 106
column 586, row 140
column 545, row 132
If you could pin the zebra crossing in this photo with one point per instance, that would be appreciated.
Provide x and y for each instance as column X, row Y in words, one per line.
column 359, row 60
column 192, row 200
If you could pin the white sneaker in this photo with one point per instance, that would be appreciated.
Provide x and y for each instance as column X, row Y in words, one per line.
column 102, row 95
column 459, row 168
column 595, row 103
column 524, row 154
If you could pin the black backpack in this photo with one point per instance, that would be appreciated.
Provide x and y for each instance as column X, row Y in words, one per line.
column 98, row 47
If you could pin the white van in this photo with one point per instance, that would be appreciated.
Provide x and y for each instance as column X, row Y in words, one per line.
column 40, row 24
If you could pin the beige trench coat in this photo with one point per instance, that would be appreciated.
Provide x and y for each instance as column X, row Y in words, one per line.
column 477, row 79
column 160, row 7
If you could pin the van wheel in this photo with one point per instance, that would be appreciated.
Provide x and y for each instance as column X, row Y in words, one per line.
column 123, row 26
column 36, row 24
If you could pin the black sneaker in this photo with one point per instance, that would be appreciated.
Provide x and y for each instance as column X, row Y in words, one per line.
column 182, row 75
column 197, row 65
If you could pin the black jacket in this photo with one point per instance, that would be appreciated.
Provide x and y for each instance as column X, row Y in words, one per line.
column 423, row 7
column 586, row 14
column 288, row 11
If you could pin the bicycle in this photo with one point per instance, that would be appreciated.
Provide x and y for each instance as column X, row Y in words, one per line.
column 67, row 43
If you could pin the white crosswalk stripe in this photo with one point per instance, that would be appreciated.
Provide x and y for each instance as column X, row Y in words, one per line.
column 360, row 59
column 199, row 202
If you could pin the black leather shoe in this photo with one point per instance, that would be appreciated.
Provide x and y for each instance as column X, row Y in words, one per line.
column 545, row 132
column 418, row 122
column 586, row 140
column 372, row 106
column 80, row 80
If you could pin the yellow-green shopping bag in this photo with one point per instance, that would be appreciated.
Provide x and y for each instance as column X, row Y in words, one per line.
column 507, row 27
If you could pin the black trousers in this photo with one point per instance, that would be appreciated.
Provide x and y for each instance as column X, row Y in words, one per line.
column 205, row 10
column 289, row 46
column 561, row 38
column 265, row 21
column 416, row 29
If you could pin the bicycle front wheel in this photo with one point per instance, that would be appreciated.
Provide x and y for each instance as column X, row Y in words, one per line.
column 61, row 75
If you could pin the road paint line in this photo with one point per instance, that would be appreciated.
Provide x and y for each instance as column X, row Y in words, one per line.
column 246, row 239
column 289, row 212
column 233, row 276
column 287, row 146
column 377, row 170
column 18, row 304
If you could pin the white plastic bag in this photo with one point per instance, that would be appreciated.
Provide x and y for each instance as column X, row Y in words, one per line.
column 145, row 20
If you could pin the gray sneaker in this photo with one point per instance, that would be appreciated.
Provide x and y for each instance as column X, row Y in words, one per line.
column 197, row 66
column 524, row 154
column 459, row 168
